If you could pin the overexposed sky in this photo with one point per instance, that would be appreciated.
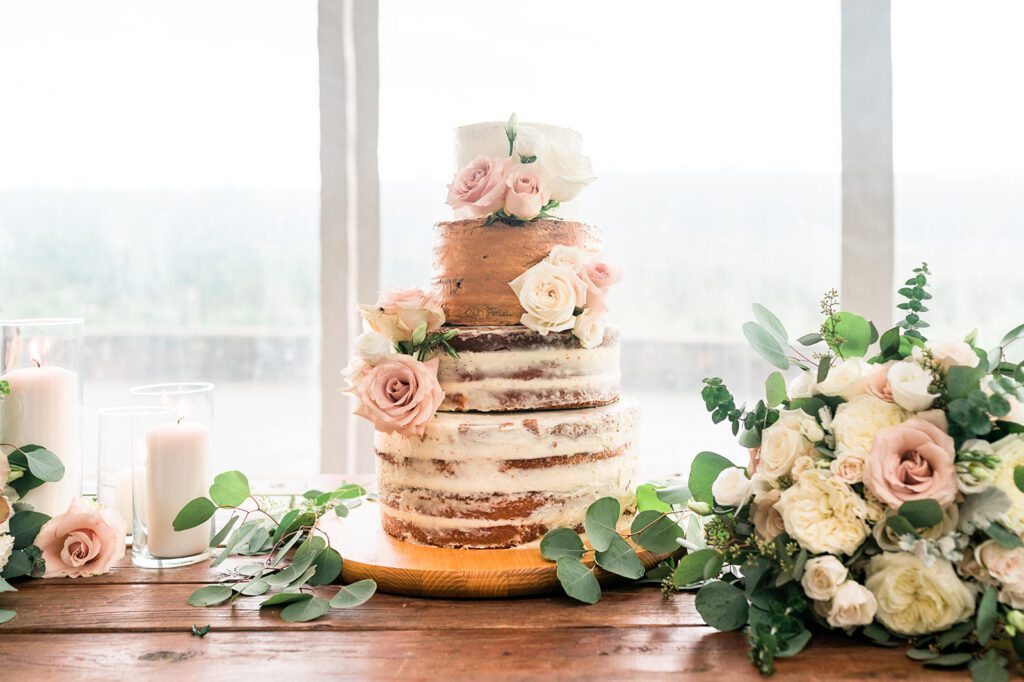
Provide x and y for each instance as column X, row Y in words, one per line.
column 193, row 94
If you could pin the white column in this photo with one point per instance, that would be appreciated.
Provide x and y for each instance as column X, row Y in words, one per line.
column 350, row 214
column 868, row 235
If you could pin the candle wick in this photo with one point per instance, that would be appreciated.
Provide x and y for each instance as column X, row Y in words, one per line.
column 36, row 362
column 181, row 419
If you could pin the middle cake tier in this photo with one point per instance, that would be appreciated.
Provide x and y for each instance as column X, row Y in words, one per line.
column 504, row 369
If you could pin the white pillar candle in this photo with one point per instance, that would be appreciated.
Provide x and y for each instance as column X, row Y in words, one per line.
column 123, row 495
column 177, row 471
column 42, row 409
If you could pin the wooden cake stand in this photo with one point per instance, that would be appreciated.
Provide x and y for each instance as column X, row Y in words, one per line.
column 416, row 570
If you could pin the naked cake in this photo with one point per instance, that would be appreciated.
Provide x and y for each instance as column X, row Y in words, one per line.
column 495, row 397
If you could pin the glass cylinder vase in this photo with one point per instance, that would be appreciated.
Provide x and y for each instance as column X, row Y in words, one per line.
column 41, row 363
column 172, row 464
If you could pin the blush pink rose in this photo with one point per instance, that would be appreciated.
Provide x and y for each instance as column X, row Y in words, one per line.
column 599, row 277
column 526, row 195
column 399, row 394
column 912, row 461
column 85, row 540
column 755, row 460
column 398, row 313
column 877, row 384
column 479, row 188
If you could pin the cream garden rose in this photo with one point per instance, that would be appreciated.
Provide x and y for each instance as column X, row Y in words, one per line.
column 824, row 514
column 848, row 468
column 791, row 437
column 846, row 379
column 852, row 606
column 914, row 598
column 822, row 577
column 549, row 294
column 909, row 384
column 1010, row 451
column 1005, row 565
column 767, row 520
column 802, row 385
column 399, row 312
column 589, row 328
column 857, row 421
column 948, row 353
column 732, row 488
column 566, row 169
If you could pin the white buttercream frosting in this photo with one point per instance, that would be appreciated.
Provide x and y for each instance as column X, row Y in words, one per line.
column 489, row 139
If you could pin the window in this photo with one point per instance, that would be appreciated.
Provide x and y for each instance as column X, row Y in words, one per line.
column 715, row 135
column 159, row 177
column 959, row 159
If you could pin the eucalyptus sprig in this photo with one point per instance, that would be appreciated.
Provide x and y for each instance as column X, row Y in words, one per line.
column 720, row 403
column 915, row 293
column 314, row 564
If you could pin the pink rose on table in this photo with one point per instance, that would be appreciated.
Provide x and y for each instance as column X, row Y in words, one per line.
column 479, row 188
column 912, row 461
column 398, row 313
column 526, row 195
column 399, row 394
column 85, row 540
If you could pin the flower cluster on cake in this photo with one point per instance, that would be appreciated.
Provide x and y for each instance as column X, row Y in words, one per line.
column 883, row 494
column 495, row 395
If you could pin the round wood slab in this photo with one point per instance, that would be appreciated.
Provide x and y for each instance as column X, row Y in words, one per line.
column 404, row 568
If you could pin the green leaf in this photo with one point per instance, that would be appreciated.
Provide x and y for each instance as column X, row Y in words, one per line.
column 889, row 344
column 674, row 494
column 353, row 595
column 42, row 463
column 989, row 668
column 1018, row 477
column 949, row 660
column 986, row 616
column 794, row 644
column 962, row 380
column 775, row 389
column 195, row 513
column 620, row 558
column 767, row 345
column 810, row 339
column 690, row 569
column 1003, row 536
column 722, row 606
column 6, row 615
column 600, row 522
column 282, row 598
column 305, row 610
column 25, row 525
column 419, row 334
column 655, row 532
column 647, row 499
column 328, row 567
column 1012, row 334
column 200, row 632
column 703, row 471
column 18, row 565
column 252, row 588
column 578, row 581
column 223, row 532
column 772, row 324
column 229, row 489
column 561, row 542
column 854, row 334
column 6, row 586
column 900, row 525
column 922, row 513
column 210, row 595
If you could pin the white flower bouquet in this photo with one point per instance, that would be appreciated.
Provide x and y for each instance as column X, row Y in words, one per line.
column 883, row 495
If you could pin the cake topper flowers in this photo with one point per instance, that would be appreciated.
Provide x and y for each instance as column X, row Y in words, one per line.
column 567, row 291
column 393, row 375
column 537, row 176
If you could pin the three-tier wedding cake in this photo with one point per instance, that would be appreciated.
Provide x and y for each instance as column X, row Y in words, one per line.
column 495, row 397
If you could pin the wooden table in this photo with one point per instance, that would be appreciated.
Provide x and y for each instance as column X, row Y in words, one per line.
column 134, row 624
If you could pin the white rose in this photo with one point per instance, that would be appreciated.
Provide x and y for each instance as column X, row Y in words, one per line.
column 846, row 379
column 792, row 436
column 549, row 294
column 910, row 382
column 529, row 141
column 857, row 422
column 573, row 256
column 1010, row 451
column 915, row 599
column 6, row 546
column 567, row 170
column 822, row 577
column 823, row 514
column 589, row 328
column 732, row 488
column 1016, row 413
column 802, row 385
column 948, row 353
column 849, row 468
column 852, row 606
column 372, row 346
column 1002, row 563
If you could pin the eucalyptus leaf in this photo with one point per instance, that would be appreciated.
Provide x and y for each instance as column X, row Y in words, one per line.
column 949, row 660
column 354, row 595
column 282, row 598
column 328, row 567
column 620, row 558
column 195, row 513
column 210, row 595
column 18, row 565
column 656, row 532
column 252, row 588
column 229, row 489
column 6, row 586
column 1018, row 477
column 769, row 321
column 647, row 499
column 600, row 522
column 690, row 569
column 1004, row 537
column 775, row 389
column 578, row 581
column 561, row 542
column 722, row 606
column 6, row 615
column 810, row 339
column 922, row 513
column 766, row 344
column 223, row 532
column 24, row 526
column 854, row 335
column 986, row 615
column 43, row 464
column 703, row 471
column 305, row 610
column 673, row 494
column 1012, row 334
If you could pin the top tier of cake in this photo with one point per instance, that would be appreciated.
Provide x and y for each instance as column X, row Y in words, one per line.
column 490, row 139
column 474, row 263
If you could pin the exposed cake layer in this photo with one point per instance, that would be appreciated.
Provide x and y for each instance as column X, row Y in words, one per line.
column 474, row 263
column 514, row 368
column 494, row 480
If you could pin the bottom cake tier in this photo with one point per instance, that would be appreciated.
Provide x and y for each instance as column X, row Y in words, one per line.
column 480, row 480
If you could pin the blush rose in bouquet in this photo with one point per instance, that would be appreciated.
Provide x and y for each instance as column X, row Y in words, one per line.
column 883, row 495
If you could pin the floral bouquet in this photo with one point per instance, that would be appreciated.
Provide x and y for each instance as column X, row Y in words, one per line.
column 883, row 495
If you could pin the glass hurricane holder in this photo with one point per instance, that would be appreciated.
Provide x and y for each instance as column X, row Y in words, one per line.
column 41, row 363
column 172, row 453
